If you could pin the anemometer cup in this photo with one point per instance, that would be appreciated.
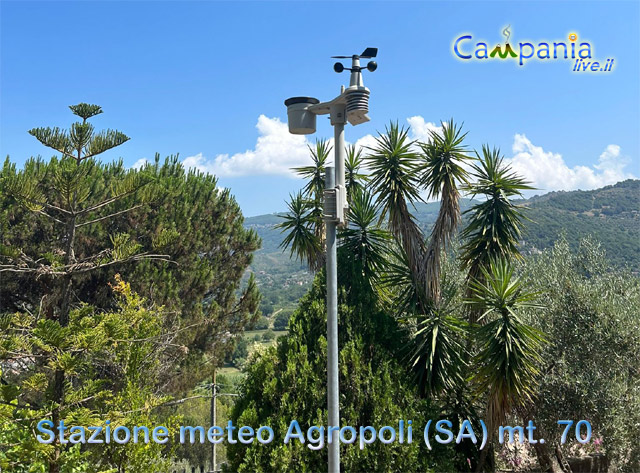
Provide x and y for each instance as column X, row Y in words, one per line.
column 301, row 120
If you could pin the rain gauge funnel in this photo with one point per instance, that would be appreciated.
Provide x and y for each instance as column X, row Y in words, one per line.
column 301, row 120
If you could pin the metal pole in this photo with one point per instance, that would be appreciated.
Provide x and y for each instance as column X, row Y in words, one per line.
column 213, row 420
column 339, row 151
column 333, row 406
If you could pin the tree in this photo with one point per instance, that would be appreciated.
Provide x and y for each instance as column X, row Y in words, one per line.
column 72, row 222
column 72, row 209
column 302, row 239
column 508, row 358
column 592, row 357
column 286, row 382
column 363, row 245
column 190, row 219
column 495, row 224
column 442, row 170
column 394, row 180
column 262, row 323
column 268, row 335
column 107, row 358
column 306, row 208
column 354, row 180
column 281, row 320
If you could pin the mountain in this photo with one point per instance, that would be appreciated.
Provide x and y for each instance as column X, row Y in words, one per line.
column 610, row 214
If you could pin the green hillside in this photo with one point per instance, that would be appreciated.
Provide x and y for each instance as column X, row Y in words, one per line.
column 282, row 280
column 610, row 214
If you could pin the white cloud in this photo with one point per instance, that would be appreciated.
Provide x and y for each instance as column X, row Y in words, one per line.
column 367, row 141
column 421, row 130
column 139, row 163
column 548, row 171
column 276, row 152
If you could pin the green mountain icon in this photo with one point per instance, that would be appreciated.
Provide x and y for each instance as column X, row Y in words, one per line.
column 508, row 50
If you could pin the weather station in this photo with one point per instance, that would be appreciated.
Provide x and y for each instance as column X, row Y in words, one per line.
column 352, row 105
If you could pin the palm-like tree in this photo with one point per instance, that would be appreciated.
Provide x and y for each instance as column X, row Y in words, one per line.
column 394, row 179
column 495, row 224
column 354, row 180
column 509, row 350
column 398, row 174
column 314, row 174
column 304, row 220
column 314, row 188
column 437, row 351
column 442, row 169
column 301, row 238
column 363, row 245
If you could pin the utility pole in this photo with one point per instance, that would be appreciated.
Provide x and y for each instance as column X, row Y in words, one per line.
column 213, row 420
column 351, row 105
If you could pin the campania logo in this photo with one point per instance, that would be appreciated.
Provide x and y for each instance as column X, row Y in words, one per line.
column 580, row 53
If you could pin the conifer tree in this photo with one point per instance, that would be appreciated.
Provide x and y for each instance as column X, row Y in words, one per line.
column 176, row 212
column 73, row 207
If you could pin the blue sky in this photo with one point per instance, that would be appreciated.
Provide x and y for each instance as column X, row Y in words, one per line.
column 207, row 80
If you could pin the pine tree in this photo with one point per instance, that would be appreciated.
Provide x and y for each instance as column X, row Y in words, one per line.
column 70, row 224
column 180, row 213
column 72, row 209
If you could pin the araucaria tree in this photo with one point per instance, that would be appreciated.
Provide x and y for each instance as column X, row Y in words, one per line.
column 71, row 209
column 68, row 226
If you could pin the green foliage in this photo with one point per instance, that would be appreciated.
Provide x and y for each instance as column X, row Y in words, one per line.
column 306, row 225
column 495, row 224
column 508, row 357
column 108, row 358
column 240, row 353
column 394, row 181
column 262, row 323
column 184, row 216
column 314, row 174
column 287, row 382
column 362, row 245
column 67, row 226
column 300, row 222
column 354, row 180
column 590, row 366
column 268, row 335
column 281, row 320
column 438, row 352
column 394, row 170
column 610, row 215
column 443, row 157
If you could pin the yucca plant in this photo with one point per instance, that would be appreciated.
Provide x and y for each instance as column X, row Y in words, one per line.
column 508, row 358
column 441, row 171
column 314, row 188
column 314, row 174
column 394, row 180
column 437, row 351
column 354, row 180
column 495, row 223
column 301, row 238
column 364, row 245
